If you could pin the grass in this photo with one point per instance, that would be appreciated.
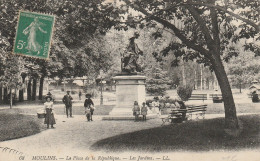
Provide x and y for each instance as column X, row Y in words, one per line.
column 189, row 136
column 14, row 125
column 218, row 108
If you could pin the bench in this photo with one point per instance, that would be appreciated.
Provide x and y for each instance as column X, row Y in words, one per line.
column 217, row 98
column 198, row 97
column 215, row 95
column 197, row 111
column 174, row 117
column 192, row 112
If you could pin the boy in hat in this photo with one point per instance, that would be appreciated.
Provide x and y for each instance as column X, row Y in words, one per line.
column 89, row 104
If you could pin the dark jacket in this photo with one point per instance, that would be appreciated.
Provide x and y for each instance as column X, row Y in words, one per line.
column 67, row 100
column 88, row 102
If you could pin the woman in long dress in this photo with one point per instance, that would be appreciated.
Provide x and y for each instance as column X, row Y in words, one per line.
column 49, row 118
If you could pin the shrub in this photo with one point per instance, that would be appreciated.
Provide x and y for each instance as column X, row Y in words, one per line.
column 184, row 92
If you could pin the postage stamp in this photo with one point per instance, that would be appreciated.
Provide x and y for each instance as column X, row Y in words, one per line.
column 33, row 35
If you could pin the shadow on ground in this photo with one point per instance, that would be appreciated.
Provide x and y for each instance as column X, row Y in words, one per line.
column 202, row 135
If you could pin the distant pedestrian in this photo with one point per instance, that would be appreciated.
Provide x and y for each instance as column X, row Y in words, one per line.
column 88, row 113
column 49, row 117
column 255, row 97
column 67, row 100
column 144, row 111
column 89, row 104
column 136, row 110
column 80, row 94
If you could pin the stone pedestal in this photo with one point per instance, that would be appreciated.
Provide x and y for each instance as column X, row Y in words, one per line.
column 129, row 88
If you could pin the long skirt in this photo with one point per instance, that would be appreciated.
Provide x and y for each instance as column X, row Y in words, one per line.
column 49, row 118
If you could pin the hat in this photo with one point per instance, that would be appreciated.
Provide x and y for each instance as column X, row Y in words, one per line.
column 88, row 95
column 48, row 97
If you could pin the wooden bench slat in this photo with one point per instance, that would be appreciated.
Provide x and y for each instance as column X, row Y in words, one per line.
column 198, row 97
column 191, row 110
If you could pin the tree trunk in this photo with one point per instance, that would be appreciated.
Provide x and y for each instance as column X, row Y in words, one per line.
column 201, row 76
column 11, row 98
column 34, row 89
column 41, row 87
column 21, row 92
column 21, row 98
column 29, row 90
column 183, row 73
column 5, row 96
column 1, row 95
column 240, row 87
column 231, row 121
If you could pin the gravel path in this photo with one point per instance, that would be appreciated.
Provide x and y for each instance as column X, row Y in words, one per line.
column 74, row 136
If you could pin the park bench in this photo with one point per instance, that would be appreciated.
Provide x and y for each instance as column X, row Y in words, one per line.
column 174, row 117
column 196, row 111
column 217, row 98
column 198, row 97
column 192, row 112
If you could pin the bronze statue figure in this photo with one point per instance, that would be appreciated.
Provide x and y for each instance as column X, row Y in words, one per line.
column 130, row 57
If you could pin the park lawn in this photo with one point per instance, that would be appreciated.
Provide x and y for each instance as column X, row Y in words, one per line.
column 201, row 135
column 218, row 108
column 14, row 125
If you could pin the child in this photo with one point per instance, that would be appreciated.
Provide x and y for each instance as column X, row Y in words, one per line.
column 89, row 103
column 144, row 111
column 88, row 113
column 136, row 110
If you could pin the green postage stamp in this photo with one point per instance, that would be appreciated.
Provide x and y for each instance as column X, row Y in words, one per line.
column 33, row 35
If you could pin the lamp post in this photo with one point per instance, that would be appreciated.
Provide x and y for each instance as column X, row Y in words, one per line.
column 101, row 91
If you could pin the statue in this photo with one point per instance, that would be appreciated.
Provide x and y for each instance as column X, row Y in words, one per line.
column 130, row 57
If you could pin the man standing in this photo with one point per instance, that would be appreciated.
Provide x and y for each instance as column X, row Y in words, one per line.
column 67, row 100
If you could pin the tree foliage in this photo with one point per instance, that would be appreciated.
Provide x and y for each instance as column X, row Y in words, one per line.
column 76, row 46
column 184, row 92
column 206, row 31
column 157, row 80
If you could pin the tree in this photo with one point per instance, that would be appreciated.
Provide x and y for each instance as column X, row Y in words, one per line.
column 157, row 80
column 92, row 19
column 243, row 69
column 10, row 79
column 206, row 28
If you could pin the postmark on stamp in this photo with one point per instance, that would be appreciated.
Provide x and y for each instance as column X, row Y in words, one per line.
column 33, row 35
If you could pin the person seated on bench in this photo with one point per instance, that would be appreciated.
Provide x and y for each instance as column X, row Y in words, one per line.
column 182, row 106
column 255, row 97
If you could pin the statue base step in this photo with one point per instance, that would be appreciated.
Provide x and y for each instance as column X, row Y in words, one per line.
column 125, row 117
column 127, row 114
